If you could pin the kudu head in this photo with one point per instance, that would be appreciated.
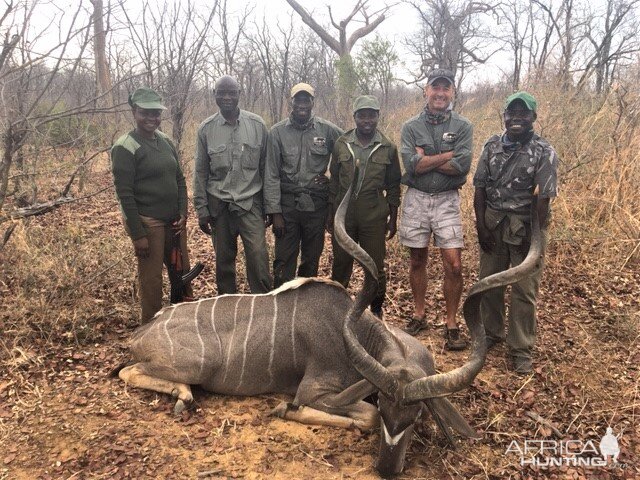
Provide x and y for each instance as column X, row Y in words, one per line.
column 402, row 387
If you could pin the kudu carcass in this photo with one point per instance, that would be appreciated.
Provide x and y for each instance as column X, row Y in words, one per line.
column 311, row 340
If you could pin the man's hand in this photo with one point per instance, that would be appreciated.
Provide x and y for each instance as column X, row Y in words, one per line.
column 431, row 160
column 278, row 224
column 392, row 223
column 485, row 238
column 205, row 224
column 141, row 247
column 320, row 180
column 179, row 225
column 426, row 152
column 328, row 222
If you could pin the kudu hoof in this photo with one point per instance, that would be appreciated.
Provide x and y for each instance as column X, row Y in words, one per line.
column 179, row 407
column 280, row 411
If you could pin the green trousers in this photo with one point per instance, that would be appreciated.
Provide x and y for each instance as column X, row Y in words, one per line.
column 250, row 227
column 304, row 235
column 521, row 334
column 370, row 235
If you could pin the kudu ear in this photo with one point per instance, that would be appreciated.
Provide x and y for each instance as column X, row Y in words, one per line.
column 450, row 416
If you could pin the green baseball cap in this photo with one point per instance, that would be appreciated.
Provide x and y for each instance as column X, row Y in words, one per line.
column 525, row 97
column 146, row 98
column 366, row 101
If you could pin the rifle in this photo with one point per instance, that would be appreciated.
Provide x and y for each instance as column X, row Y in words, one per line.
column 179, row 281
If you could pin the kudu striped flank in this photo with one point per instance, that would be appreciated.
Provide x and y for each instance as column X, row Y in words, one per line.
column 311, row 340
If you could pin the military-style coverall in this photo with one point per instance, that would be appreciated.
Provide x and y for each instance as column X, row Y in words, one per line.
column 377, row 189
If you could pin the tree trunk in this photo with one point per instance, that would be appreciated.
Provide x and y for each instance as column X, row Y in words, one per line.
column 103, row 79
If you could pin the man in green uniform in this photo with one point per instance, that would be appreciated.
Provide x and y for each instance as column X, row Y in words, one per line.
column 227, row 188
column 373, row 210
column 152, row 193
column 296, row 187
column 511, row 166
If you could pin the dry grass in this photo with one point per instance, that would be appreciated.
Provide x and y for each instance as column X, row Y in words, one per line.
column 67, row 288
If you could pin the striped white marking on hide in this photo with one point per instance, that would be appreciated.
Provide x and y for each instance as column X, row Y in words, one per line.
column 293, row 328
column 166, row 332
column 213, row 324
column 233, row 331
column 273, row 338
column 159, row 324
column 195, row 318
column 246, row 340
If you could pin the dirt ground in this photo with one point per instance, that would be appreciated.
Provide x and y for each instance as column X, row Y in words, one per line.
column 62, row 416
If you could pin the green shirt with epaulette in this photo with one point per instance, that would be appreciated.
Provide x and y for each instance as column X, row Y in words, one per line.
column 294, row 157
column 454, row 134
column 378, row 184
column 148, row 180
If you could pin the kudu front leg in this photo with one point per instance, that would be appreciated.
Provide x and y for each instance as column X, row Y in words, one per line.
column 137, row 376
column 361, row 415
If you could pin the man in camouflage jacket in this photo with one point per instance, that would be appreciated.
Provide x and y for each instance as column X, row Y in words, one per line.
column 509, row 169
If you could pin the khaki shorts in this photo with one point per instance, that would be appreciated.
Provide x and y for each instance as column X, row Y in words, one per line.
column 425, row 213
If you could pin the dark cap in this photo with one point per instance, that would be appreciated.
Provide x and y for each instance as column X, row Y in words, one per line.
column 525, row 98
column 364, row 102
column 146, row 98
column 439, row 73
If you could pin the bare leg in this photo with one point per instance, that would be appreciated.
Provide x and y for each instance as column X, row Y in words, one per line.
column 361, row 414
column 136, row 375
column 452, row 285
column 418, row 278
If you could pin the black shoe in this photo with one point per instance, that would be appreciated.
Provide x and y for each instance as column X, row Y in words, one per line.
column 522, row 365
column 377, row 312
column 415, row 325
column 454, row 341
column 493, row 342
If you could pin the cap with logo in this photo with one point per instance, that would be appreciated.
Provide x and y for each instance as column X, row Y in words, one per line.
column 439, row 73
column 525, row 97
column 145, row 97
column 366, row 101
column 302, row 87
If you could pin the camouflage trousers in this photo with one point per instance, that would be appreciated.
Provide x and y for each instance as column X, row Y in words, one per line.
column 521, row 334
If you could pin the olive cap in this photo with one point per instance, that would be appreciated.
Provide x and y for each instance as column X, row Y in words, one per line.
column 366, row 101
column 145, row 97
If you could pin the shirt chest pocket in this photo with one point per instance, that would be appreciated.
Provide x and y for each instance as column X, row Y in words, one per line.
column 377, row 169
column 523, row 177
column 218, row 161
column 318, row 158
column 247, row 155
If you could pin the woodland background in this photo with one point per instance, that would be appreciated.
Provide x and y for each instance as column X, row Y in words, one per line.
column 67, row 281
